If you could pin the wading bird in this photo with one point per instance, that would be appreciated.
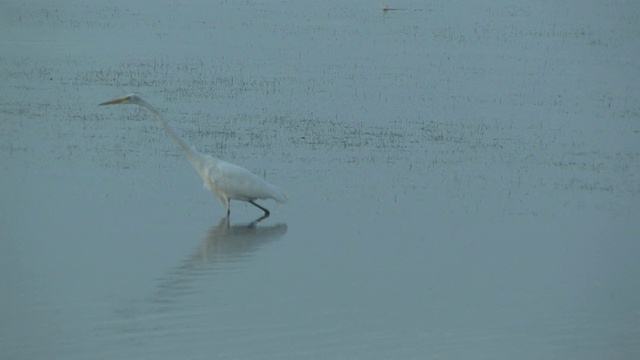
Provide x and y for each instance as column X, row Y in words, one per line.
column 225, row 180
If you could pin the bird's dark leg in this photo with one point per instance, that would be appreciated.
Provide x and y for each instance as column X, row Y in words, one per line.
column 256, row 221
column 266, row 212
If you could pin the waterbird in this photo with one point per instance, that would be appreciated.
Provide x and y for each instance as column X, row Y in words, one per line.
column 225, row 180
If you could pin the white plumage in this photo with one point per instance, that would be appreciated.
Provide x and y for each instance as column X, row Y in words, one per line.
column 225, row 180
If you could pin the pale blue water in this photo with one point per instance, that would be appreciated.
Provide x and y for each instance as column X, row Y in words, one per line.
column 463, row 180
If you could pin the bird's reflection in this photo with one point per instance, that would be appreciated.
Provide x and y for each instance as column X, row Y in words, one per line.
column 227, row 243
column 225, row 246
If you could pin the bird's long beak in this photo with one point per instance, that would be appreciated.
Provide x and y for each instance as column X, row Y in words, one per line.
column 114, row 101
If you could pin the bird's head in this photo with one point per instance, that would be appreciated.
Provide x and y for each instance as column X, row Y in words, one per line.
column 128, row 99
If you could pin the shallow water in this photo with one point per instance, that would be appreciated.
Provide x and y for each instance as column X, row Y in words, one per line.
column 463, row 180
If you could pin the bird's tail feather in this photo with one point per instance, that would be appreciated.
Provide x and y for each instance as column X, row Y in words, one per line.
column 279, row 195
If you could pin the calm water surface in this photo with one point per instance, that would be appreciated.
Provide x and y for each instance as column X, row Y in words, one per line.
column 464, row 180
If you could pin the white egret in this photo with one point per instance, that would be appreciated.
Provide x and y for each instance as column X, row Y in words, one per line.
column 225, row 180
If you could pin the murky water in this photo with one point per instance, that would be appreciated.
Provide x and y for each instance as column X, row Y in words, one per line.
column 463, row 180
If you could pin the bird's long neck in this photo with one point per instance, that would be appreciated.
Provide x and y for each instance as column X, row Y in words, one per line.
column 194, row 157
